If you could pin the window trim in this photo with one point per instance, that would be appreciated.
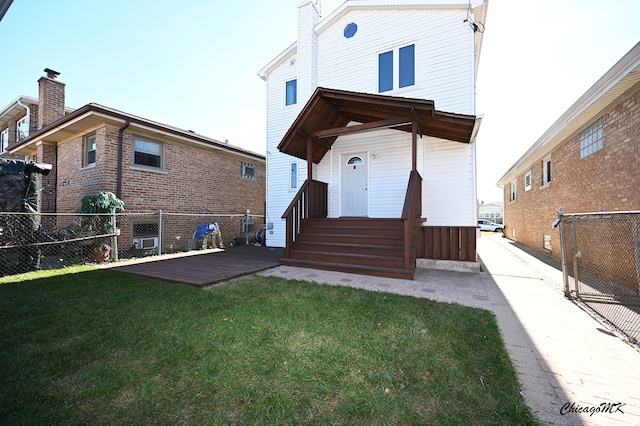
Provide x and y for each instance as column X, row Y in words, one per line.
column 394, row 81
column 514, row 191
column 589, row 145
column 527, row 180
column 4, row 140
column 244, row 165
column 547, row 171
column 86, row 151
column 294, row 84
column 293, row 175
column 162, row 155
column 24, row 120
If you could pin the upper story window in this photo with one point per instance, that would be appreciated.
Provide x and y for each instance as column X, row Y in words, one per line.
column 248, row 170
column 591, row 139
column 514, row 191
column 527, row 180
column 546, row 171
column 396, row 68
column 90, row 150
column 148, row 153
column 22, row 128
column 291, row 95
column 4, row 140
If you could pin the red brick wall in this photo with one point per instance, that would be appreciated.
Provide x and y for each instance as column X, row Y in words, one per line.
column 608, row 179
column 51, row 101
column 195, row 180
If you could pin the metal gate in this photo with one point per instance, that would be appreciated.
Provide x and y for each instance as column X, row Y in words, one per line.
column 601, row 265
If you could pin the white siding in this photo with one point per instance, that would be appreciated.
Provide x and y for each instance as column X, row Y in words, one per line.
column 444, row 73
column 448, row 186
column 448, row 196
column 279, row 119
column 388, row 173
column 444, row 55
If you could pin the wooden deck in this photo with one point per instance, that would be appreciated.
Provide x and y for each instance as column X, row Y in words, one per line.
column 201, row 268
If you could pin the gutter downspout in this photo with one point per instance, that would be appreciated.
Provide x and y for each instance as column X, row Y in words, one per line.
column 28, row 119
column 120, row 153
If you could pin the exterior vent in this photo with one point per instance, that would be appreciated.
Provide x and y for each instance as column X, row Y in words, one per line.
column 145, row 243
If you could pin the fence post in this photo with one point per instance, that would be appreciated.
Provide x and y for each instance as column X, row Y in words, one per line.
column 574, row 256
column 563, row 254
column 114, row 237
column 159, row 232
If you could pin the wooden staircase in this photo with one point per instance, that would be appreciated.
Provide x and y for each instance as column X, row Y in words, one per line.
column 354, row 245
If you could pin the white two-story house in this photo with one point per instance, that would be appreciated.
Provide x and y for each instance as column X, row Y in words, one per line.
column 371, row 127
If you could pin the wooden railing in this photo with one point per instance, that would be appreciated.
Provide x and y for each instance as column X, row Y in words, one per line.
column 309, row 202
column 448, row 243
column 411, row 214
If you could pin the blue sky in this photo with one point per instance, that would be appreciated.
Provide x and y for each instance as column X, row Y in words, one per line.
column 193, row 64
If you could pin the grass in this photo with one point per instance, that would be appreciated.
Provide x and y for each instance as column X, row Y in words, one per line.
column 88, row 346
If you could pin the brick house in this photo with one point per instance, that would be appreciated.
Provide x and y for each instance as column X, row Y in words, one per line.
column 587, row 161
column 148, row 165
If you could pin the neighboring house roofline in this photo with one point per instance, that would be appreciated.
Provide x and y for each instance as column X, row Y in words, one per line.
column 92, row 115
column 350, row 5
column 4, row 6
column 14, row 107
column 615, row 84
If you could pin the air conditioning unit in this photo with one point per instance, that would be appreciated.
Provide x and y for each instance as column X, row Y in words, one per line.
column 145, row 243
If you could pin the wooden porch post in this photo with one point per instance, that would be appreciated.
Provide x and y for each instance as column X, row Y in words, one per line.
column 414, row 145
column 309, row 159
column 310, row 193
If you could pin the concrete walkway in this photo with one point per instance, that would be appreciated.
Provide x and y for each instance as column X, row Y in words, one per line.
column 566, row 360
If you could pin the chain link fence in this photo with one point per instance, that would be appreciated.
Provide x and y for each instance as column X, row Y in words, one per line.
column 601, row 265
column 64, row 239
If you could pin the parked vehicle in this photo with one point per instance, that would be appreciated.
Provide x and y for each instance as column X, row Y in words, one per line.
column 487, row 225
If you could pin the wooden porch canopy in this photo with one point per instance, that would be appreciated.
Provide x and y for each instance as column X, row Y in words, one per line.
column 328, row 113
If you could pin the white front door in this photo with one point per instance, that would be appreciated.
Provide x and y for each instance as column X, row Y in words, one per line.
column 354, row 185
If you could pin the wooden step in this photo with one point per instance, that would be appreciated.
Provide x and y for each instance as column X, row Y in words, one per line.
column 340, row 246
column 389, row 240
column 350, row 258
column 355, row 245
column 401, row 273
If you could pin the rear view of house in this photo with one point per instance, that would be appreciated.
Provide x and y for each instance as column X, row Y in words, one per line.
column 371, row 127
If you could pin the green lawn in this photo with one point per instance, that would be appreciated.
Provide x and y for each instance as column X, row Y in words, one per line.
column 85, row 346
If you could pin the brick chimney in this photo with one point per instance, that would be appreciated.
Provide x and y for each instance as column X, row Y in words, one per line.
column 50, row 98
